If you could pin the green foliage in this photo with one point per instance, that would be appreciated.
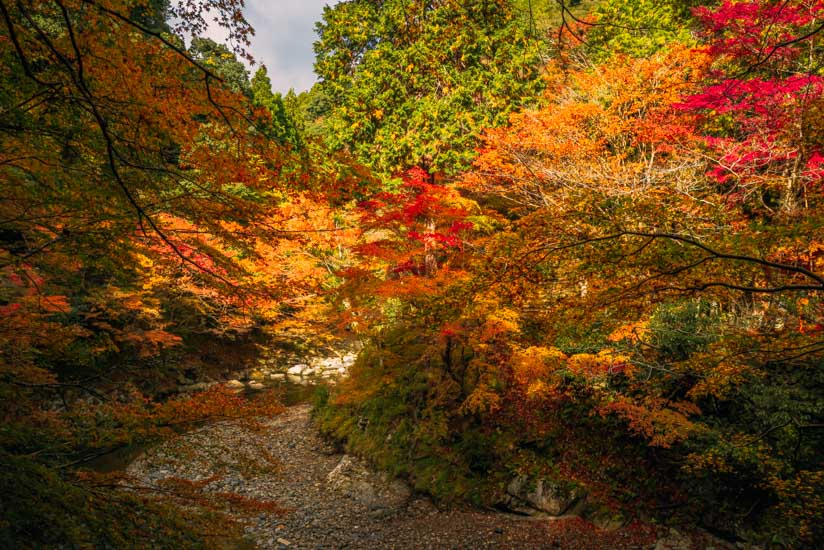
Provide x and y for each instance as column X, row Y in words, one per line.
column 760, row 443
column 414, row 84
column 544, row 17
column 638, row 28
column 310, row 111
column 282, row 126
column 154, row 15
column 409, row 424
column 679, row 329
column 42, row 507
column 224, row 62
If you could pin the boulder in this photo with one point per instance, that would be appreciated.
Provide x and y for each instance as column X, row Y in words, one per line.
column 542, row 495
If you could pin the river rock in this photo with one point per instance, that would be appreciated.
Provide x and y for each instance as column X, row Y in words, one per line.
column 674, row 540
column 257, row 375
column 201, row 386
column 374, row 489
column 297, row 369
column 295, row 379
column 542, row 495
column 601, row 517
column 255, row 385
column 234, row 384
column 277, row 376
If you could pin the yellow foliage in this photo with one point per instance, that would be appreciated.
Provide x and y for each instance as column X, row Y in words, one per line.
column 631, row 332
column 721, row 380
column 605, row 362
column 502, row 322
column 482, row 400
column 655, row 419
column 536, row 363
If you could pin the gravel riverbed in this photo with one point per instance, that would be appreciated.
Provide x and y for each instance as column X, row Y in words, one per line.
column 332, row 500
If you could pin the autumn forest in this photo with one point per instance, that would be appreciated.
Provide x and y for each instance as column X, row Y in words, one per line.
column 577, row 243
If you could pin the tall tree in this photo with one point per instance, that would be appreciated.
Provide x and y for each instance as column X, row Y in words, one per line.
column 283, row 127
column 652, row 272
column 134, row 196
column 764, row 110
column 224, row 63
column 411, row 83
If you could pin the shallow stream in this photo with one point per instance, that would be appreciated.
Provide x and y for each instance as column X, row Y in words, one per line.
column 288, row 391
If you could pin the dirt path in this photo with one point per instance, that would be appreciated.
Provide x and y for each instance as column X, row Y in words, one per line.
column 286, row 461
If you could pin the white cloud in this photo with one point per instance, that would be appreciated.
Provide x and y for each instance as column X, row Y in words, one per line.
column 284, row 33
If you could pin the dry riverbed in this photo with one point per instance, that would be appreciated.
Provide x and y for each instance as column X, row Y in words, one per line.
column 335, row 501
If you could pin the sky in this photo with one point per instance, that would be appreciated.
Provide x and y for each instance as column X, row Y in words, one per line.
column 284, row 33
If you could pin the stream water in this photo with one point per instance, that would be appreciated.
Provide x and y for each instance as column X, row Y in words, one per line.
column 289, row 392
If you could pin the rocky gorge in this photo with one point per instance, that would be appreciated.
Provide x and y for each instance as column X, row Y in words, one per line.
column 329, row 499
column 333, row 500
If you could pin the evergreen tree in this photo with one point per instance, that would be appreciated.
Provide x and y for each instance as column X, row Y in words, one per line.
column 282, row 127
column 413, row 83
